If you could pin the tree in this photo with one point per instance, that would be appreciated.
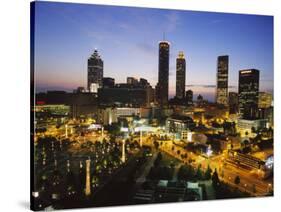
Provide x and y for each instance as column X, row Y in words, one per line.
column 156, row 144
column 215, row 179
column 159, row 156
column 199, row 173
column 208, row 173
column 237, row 180
column 253, row 129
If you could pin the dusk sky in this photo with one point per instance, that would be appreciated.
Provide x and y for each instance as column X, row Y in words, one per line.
column 127, row 38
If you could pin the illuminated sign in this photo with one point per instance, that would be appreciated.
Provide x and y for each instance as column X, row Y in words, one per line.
column 124, row 129
column 246, row 72
column 209, row 151
column 94, row 126
column 40, row 102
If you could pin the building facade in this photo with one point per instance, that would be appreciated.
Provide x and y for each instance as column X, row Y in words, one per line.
column 95, row 71
column 248, row 93
column 265, row 100
column 177, row 124
column 180, row 77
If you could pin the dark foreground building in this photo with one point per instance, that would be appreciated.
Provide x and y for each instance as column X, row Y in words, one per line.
column 138, row 94
column 81, row 104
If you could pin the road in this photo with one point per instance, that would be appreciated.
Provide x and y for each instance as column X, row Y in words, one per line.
column 146, row 169
column 248, row 182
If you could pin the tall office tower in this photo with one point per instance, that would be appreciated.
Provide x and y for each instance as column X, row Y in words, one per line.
column 180, row 78
column 189, row 97
column 88, row 178
column 95, row 71
column 222, row 80
column 233, row 102
column 163, row 73
column 248, row 93
column 265, row 100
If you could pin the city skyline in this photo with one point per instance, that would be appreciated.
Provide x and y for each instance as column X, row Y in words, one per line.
column 149, row 106
column 133, row 52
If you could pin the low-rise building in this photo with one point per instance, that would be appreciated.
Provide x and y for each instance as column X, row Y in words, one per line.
column 246, row 126
column 178, row 124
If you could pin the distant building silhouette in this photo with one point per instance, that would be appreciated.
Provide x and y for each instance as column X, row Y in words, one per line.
column 189, row 97
column 108, row 82
column 132, row 81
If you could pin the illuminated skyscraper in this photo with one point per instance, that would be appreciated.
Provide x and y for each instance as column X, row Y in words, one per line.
column 132, row 81
column 222, row 80
column 162, row 87
column 95, row 71
column 248, row 93
column 180, row 78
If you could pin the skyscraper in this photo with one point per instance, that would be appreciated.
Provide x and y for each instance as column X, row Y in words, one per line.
column 163, row 73
column 189, row 97
column 248, row 93
column 95, row 71
column 222, row 80
column 233, row 102
column 180, row 78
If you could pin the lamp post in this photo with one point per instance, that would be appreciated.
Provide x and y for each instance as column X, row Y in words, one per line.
column 123, row 157
column 102, row 132
column 140, row 137
column 88, row 186
column 66, row 134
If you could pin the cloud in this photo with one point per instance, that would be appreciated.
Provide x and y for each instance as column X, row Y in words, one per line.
column 146, row 48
